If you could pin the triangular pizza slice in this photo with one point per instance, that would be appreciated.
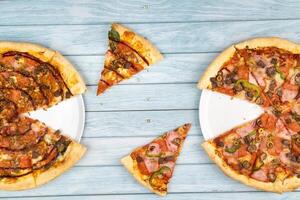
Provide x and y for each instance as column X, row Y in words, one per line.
column 153, row 164
column 128, row 54
column 31, row 154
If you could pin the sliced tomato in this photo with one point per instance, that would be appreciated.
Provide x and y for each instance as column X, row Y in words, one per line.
column 25, row 161
column 268, row 121
column 227, row 91
column 242, row 151
column 142, row 168
column 243, row 72
column 294, row 126
column 289, row 86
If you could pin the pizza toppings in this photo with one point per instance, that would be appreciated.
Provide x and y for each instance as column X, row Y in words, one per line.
column 25, row 144
column 128, row 54
column 28, row 83
column 154, row 163
column 266, row 150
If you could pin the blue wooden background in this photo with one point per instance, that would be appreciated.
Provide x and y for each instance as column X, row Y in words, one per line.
column 190, row 34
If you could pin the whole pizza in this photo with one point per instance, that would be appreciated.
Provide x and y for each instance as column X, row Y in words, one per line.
column 34, row 77
column 263, row 153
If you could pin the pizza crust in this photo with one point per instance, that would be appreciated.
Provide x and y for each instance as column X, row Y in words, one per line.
column 69, row 74
column 139, row 43
column 128, row 163
column 73, row 154
column 36, row 178
column 217, row 63
column 271, row 187
column 20, row 183
column 36, row 50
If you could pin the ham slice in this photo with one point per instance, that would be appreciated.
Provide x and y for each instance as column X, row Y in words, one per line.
column 245, row 130
column 171, row 136
column 282, row 132
column 260, row 175
column 151, row 164
column 284, row 159
column 288, row 95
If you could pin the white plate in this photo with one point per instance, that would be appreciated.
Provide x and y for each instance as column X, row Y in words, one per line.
column 67, row 116
column 219, row 113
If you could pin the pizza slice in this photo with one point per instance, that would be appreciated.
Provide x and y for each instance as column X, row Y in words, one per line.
column 230, row 75
column 128, row 54
column 34, row 77
column 153, row 164
column 268, row 167
column 32, row 154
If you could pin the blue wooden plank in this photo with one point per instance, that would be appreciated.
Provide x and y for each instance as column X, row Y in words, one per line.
column 168, row 37
column 153, row 123
column 143, row 97
column 93, row 11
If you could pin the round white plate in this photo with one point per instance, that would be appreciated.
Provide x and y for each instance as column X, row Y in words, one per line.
column 219, row 113
column 67, row 116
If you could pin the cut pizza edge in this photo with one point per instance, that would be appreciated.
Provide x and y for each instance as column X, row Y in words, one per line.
column 278, row 186
column 69, row 74
column 130, row 164
column 136, row 41
column 36, row 178
column 136, row 53
column 217, row 63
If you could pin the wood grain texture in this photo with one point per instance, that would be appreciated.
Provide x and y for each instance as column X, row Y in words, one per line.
column 141, row 123
column 184, row 196
column 93, row 11
column 190, row 34
column 143, row 97
column 175, row 68
column 168, row 37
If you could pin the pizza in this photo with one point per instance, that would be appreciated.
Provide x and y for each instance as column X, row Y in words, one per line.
column 263, row 153
column 34, row 77
column 32, row 154
column 153, row 164
column 128, row 54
